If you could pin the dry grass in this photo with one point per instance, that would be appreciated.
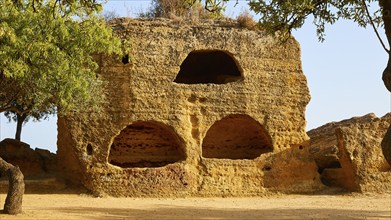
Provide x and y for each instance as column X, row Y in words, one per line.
column 179, row 11
column 246, row 20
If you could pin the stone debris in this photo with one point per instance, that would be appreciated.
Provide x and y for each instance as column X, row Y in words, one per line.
column 353, row 158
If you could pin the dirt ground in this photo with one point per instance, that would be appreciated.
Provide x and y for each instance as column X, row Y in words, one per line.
column 74, row 206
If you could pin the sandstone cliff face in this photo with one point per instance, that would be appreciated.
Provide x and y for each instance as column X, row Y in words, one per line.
column 204, row 109
column 349, row 154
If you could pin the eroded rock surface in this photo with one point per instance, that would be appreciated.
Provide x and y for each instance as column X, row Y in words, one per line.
column 206, row 109
column 34, row 164
column 355, row 160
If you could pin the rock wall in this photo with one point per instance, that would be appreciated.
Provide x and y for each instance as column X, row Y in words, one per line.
column 34, row 164
column 206, row 109
column 349, row 153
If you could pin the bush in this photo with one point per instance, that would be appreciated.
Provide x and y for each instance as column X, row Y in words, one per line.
column 246, row 20
column 180, row 9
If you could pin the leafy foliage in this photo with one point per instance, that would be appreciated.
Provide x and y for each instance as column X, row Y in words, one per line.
column 286, row 15
column 280, row 17
column 46, row 61
column 66, row 6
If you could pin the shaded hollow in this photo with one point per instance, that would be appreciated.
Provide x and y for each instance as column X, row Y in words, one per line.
column 146, row 144
column 209, row 66
column 236, row 137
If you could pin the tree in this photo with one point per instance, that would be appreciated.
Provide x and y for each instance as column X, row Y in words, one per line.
column 13, row 101
column 46, row 60
column 47, row 65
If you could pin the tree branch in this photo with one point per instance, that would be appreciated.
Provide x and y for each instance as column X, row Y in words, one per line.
column 374, row 27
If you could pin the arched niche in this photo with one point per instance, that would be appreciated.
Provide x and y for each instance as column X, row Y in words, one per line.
column 209, row 66
column 236, row 137
column 146, row 144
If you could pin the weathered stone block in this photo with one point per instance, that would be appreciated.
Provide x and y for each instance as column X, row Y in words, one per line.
column 363, row 167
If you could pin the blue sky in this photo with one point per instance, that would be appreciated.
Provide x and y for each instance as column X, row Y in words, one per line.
column 343, row 73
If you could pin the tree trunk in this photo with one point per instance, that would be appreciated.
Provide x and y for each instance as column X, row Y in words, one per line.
column 19, row 123
column 386, row 146
column 386, row 12
column 13, row 202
